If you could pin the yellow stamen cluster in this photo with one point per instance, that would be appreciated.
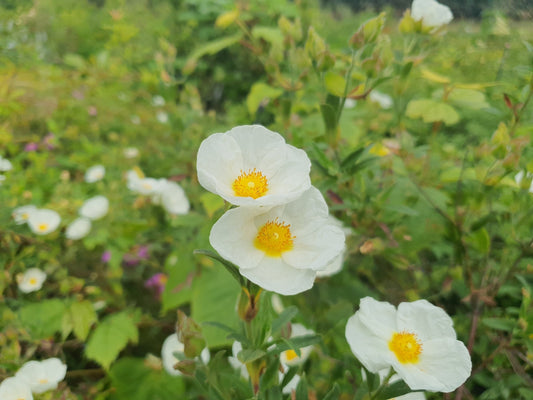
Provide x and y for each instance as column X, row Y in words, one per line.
column 406, row 346
column 291, row 355
column 42, row 227
column 43, row 381
column 250, row 184
column 33, row 281
column 274, row 238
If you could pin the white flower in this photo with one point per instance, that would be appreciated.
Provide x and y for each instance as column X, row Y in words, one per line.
column 22, row 214
column 236, row 348
column 289, row 357
column 350, row 103
column 172, row 352
column 384, row 100
column 15, row 389
column 43, row 221
column 94, row 208
column 417, row 340
column 252, row 166
column 5, row 164
column 95, row 173
column 431, row 12
column 147, row 186
column 78, row 229
column 162, row 117
column 131, row 152
column 277, row 304
column 158, row 101
column 520, row 176
column 42, row 376
column 173, row 198
column 279, row 248
column 32, row 280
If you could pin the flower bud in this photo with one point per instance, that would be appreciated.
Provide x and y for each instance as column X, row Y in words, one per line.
column 190, row 334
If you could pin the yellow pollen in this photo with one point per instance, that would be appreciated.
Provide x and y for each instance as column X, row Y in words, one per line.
column 291, row 355
column 42, row 381
column 274, row 238
column 25, row 216
column 33, row 281
column 250, row 184
column 42, row 227
column 406, row 347
column 147, row 186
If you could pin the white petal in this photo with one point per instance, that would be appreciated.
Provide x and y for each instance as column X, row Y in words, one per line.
column 333, row 267
column 173, row 199
column 78, row 229
column 444, row 366
column 43, row 221
column 276, row 276
column 55, row 369
column 371, row 350
column 379, row 317
column 233, row 235
column 95, row 173
column 95, row 208
column 172, row 347
column 431, row 12
column 424, row 319
column 22, row 214
column 15, row 389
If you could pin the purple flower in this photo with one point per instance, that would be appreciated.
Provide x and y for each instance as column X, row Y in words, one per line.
column 106, row 256
column 48, row 141
column 142, row 252
column 157, row 282
column 32, row 146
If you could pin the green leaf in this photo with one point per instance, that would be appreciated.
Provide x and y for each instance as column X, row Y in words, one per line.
column 480, row 239
column 43, row 319
column 396, row 389
column 249, row 355
column 110, row 337
column 271, row 35
column 469, row 98
column 500, row 324
column 295, row 343
column 335, row 83
column 212, row 47
column 333, row 394
column 301, row 389
column 284, row 318
column 211, row 202
column 230, row 267
column 319, row 157
column 79, row 317
column 74, row 60
column 258, row 94
column 132, row 379
column 432, row 111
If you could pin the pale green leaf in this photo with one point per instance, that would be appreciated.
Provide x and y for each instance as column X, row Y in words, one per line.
column 432, row 111
column 335, row 83
column 260, row 92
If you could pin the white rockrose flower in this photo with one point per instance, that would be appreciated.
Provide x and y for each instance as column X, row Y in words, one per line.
column 94, row 208
column 43, row 221
column 131, row 152
column 158, row 101
column 22, row 214
column 280, row 248
column 417, row 340
column 78, row 229
column 15, row 389
column 147, row 186
column 384, row 100
column 336, row 264
column 290, row 357
column 44, row 375
column 432, row 13
column 350, row 103
column 173, row 351
column 5, row 164
column 173, row 198
column 252, row 166
column 32, row 280
column 95, row 173
column 162, row 117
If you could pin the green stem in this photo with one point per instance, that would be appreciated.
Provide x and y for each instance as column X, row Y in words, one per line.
column 382, row 385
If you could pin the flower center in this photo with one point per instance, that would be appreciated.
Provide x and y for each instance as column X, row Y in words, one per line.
column 42, row 227
column 43, row 381
column 33, row 281
column 406, row 346
column 25, row 216
column 291, row 355
column 147, row 186
column 250, row 184
column 274, row 238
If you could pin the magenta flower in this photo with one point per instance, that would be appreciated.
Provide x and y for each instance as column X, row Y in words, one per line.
column 157, row 282
column 106, row 256
column 32, row 146
column 142, row 253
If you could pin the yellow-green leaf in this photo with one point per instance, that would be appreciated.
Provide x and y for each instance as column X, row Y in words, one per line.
column 335, row 83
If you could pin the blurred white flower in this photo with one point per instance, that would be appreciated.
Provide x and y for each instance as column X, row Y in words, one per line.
column 277, row 304
column 350, row 103
column 43, row 221
column 289, row 357
column 432, row 13
column 131, row 152
column 95, row 173
column 384, row 100
column 172, row 352
column 78, row 229
column 32, row 280
column 172, row 197
column 22, row 214
column 147, row 186
column 236, row 348
column 15, row 389
column 158, row 101
column 417, row 340
column 95, row 208
column 162, row 117
column 279, row 248
column 336, row 264
column 519, row 177
column 5, row 164
column 252, row 166
column 44, row 375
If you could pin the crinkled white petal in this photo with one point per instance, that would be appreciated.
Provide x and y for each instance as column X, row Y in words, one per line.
column 43, row 221
column 32, row 280
column 333, row 267
column 15, row 389
column 431, row 12
column 379, row 317
column 371, row 350
column 22, row 214
column 95, row 173
column 444, row 366
column 424, row 319
column 223, row 157
column 42, row 376
column 95, row 208
column 78, row 229
column 173, row 199
column 173, row 351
